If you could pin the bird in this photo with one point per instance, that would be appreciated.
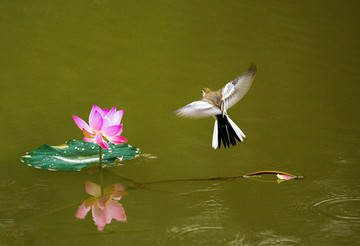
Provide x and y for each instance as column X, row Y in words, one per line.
column 216, row 104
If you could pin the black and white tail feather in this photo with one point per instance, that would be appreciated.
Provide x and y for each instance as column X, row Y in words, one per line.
column 216, row 104
column 226, row 131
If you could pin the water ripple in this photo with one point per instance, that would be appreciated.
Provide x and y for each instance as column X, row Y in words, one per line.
column 340, row 203
column 341, row 209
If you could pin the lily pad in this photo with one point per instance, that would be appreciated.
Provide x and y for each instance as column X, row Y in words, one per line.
column 76, row 154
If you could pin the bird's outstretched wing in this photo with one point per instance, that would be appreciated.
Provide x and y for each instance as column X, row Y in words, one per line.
column 236, row 89
column 198, row 109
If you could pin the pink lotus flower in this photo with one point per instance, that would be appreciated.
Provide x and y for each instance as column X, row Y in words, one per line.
column 284, row 177
column 104, row 125
column 104, row 207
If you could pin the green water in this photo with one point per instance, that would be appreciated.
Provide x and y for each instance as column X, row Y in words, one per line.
column 150, row 58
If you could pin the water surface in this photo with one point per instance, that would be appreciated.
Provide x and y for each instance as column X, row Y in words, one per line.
column 151, row 58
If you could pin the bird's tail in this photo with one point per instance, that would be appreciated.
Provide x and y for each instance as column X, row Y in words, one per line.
column 226, row 131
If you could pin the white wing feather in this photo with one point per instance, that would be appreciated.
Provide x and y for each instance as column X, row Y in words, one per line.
column 198, row 109
column 236, row 89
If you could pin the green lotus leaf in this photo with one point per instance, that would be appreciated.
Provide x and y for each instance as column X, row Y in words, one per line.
column 76, row 154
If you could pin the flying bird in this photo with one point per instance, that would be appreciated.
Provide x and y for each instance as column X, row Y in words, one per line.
column 216, row 104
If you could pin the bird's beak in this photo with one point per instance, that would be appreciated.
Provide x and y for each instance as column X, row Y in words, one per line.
column 203, row 92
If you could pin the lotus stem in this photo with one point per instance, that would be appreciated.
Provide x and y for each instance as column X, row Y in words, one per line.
column 101, row 170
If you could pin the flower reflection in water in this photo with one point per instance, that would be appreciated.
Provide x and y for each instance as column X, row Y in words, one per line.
column 104, row 206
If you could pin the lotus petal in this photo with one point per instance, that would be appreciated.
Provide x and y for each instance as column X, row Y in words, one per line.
column 100, row 141
column 93, row 110
column 96, row 122
column 89, row 140
column 105, row 111
column 88, row 134
column 117, row 139
column 93, row 189
column 118, row 187
column 99, row 217
column 113, row 130
column 115, row 210
column 116, row 119
column 111, row 113
column 117, row 195
column 82, row 211
column 102, row 201
column 81, row 123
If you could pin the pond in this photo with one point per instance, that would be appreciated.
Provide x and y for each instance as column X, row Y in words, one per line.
column 150, row 58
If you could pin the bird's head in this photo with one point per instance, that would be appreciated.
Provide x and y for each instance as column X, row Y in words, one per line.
column 205, row 91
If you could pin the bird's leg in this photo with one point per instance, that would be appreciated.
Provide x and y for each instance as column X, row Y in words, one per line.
column 223, row 108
